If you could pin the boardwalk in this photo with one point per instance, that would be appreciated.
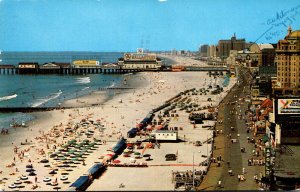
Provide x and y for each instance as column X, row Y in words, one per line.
column 231, row 152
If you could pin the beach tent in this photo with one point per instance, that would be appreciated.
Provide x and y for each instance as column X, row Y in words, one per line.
column 81, row 183
column 96, row 169
column 120, row 146
column 132, row 133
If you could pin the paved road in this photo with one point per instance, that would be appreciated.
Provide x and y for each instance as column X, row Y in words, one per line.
column 231, row 152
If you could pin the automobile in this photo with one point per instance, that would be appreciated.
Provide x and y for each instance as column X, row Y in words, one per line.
column 171, row 157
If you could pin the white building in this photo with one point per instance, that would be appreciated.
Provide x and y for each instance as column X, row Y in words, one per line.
column 166, row 135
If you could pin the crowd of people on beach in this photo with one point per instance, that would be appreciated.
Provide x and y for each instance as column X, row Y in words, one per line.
column 60, row 133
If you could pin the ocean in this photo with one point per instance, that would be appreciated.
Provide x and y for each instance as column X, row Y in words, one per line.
column 49, row 90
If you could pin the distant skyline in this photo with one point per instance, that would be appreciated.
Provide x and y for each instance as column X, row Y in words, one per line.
column 125, row 25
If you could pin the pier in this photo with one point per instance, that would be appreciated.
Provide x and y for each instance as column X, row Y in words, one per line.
column 29, row 109
column 12, row 70
column 104, row 69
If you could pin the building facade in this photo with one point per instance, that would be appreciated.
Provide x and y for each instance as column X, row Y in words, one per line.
column 224, row 46
column 266, row 53
column 86, row 63
column 212, row 51
column 28, row 65
column 204, row 50
column 166, row 135
column 288, row 64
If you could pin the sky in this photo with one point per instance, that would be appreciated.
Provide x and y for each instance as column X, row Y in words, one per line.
column 125, row 25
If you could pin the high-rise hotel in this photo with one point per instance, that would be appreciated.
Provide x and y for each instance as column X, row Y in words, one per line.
column 288, row 64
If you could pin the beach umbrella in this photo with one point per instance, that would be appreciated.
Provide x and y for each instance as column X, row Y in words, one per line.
column 60, row 150
column 126, row 150
column 91, row 144
column 116, row 161
column 52, row 172
column 80, row 144
column 146, row 155
column 132, row 160
column 32, row 174
column 62, row 158
column 72, row 150
column 129, row 145
column 65, row 146
column 67, row 162
column 79, row 155
column 44, row 161
column 73, row 156
column 56, row 188
column 30, row 170
column 28, row 166
column 74, row 159
column 137, row 153
column 52, row 155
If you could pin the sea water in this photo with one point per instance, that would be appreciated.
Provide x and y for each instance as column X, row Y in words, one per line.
column 49, row 90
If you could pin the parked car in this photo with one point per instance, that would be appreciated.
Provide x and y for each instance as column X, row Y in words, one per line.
column 171, row 157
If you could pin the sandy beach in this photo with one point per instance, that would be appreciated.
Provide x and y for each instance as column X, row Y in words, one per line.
column 114, row 117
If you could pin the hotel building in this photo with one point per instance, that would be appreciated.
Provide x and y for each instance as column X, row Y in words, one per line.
column 288, row 64
column 224, row 46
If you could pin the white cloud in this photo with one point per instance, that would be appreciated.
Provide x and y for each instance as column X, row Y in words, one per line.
column 162, row 0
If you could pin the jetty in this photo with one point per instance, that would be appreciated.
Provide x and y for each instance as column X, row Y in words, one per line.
column 29, row 109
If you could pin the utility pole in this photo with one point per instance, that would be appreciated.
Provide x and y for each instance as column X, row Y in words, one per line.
column 193, row 172
column 207, row 147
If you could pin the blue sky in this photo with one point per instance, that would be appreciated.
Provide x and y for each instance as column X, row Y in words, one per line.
column 124, row 25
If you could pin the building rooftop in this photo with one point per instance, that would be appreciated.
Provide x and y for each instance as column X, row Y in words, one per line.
column 165, row 131
column 294, row 34
column 265, row 46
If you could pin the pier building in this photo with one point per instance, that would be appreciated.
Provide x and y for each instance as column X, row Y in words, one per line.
column 140, row 61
